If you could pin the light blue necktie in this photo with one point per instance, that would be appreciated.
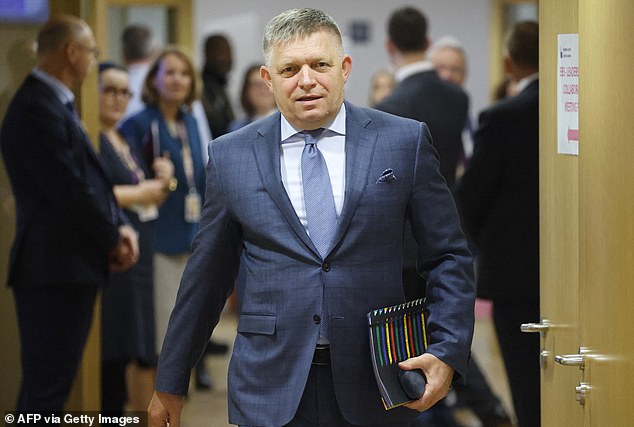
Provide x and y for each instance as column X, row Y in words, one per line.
column 321, row 214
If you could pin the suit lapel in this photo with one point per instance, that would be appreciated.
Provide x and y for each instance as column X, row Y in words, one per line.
column 42, row 88
column 267, row 154
column 81, row 134
column 360, row 143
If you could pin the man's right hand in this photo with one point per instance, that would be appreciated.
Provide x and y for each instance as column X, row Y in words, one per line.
column 165, row 409
column 126, row 253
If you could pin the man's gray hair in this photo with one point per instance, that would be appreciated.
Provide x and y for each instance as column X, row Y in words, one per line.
column 447, row 42
column 297, row 23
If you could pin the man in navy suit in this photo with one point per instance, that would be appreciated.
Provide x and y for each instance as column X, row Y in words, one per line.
column 301, row 355
column 420, row 93
column 499, row 197
column 70, row 232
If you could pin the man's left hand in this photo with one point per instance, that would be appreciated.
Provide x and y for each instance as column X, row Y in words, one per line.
column 438, row 375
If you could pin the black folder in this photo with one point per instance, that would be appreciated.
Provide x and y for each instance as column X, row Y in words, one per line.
column 398, row 333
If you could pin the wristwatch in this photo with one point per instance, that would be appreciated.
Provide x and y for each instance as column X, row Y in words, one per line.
column 172, row 184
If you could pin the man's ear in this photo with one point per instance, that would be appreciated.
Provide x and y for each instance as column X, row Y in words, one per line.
column 266, row 76
column 426, row 43
column 346, row 66
column 71, row 52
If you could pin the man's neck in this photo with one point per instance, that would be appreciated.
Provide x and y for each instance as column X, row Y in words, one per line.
column 520, row 73
column 59, row 72
column 401, row 59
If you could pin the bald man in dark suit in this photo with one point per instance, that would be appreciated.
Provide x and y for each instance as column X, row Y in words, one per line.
column 70, row 233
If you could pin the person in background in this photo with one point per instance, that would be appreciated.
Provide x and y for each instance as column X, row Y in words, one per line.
column 256, row 98
column 218, row 64
column 499, row 200
column 310, row 204
column 127, row 312
column 422, row 95
column 70, row 233
column 167, row 127
column 450, row 61
column 381, row 85
column 138, row 47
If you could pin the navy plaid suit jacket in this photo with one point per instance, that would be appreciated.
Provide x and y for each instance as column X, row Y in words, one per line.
column 248, row 220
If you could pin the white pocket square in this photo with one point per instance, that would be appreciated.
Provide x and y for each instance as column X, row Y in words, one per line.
column 387, row 176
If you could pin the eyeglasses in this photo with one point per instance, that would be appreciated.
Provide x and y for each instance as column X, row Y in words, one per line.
column 113, row 92
column 94, row 50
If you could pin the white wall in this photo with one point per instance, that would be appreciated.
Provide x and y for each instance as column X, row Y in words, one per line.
column 243, row 22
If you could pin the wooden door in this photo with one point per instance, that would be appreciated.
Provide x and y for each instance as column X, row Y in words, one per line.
column 559, row 231
column 606, row 209
column 587, row 221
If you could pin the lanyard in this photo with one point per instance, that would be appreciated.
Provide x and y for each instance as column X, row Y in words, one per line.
column 186, row 152
column 123, row 152
column 188, row 160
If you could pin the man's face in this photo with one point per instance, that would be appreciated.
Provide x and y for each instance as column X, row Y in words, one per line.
column 450, row 65
column 307, row 77
column 83, row 55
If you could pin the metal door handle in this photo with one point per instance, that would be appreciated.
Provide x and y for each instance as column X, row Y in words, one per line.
column 542, row 326
column 571, row 360
column 578, row 359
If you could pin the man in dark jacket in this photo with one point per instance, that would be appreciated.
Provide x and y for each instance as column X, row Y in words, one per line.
column 70, row 232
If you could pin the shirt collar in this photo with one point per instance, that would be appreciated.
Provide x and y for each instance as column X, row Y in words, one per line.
column 63, row 93
column 411, row 69
column 338, row 125
column 523, row 83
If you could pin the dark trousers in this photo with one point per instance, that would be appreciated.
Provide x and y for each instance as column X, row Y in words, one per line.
column 318, row 406
column 53, row 324
column 520, row 352
column 113, row 386
column 476, row 394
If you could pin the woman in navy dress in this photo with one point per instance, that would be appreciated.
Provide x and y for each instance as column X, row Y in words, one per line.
column 128, row 328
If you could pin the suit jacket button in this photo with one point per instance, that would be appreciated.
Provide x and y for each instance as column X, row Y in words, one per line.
column 317, row 319
column 326, row 267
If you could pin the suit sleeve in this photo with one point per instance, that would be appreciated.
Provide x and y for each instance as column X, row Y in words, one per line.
column 443, row 258
column 207, row 282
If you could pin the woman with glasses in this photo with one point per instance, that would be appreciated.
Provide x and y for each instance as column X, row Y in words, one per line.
column 128, row 329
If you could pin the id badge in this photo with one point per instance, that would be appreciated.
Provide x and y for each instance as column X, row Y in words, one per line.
column 146, row 212
column 192, row 207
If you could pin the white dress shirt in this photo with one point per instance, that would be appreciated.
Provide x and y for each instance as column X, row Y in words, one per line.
column 332, row 147
column 63, row 93
column 410, row 69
